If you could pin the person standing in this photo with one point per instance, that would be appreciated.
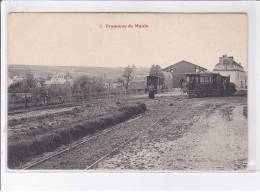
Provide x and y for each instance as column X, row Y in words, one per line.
column 193, row 83
column 181, row 82
column 151, row 92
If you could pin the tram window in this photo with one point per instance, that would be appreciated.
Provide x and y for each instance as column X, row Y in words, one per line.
column 197, row 79
column 202, row 79
column 188, row 78
column 208, row 79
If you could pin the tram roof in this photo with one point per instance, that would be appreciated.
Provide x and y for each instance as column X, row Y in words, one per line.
column 154, row 76
column 201, row 73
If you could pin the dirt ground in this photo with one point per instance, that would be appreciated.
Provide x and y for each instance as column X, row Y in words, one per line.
column 206, row 134
column 199, row 134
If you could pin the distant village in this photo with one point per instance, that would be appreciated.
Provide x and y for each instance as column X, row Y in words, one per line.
column 226, row 66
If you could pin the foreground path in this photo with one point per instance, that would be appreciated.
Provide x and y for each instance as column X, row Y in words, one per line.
column 214, row 139
column 200, row 133
column 84, row 155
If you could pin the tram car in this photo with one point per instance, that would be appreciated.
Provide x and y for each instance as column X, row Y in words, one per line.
column 206, row 84
column 155, row 82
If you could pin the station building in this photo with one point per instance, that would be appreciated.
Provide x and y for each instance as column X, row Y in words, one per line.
column 228, row 67
column 178, row 69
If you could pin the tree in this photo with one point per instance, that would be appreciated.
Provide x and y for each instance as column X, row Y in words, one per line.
column 24, row 86
column 19, row 87
column 88, row 85
column 156, row 71
column 82, row 84
column 30, row 81
column 127, row 77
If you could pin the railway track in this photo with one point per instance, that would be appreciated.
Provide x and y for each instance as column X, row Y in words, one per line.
column 78, row 144
column 125, row 142
column 103, row 133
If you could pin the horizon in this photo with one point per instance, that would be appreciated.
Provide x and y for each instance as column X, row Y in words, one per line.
column 140, row 67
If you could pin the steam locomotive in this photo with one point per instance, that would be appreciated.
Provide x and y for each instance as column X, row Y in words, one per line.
column 206, row 84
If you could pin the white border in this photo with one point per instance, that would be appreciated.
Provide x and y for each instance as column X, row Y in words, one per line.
column 137, row 181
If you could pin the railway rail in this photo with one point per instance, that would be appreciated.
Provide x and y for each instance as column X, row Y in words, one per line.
column 104, row 132
column 125, row 142
column 78, row 144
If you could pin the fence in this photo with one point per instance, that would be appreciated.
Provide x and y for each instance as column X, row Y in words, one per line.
column 27, row 100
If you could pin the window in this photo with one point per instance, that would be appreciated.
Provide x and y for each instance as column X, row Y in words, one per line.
column 202, row 79
column 210, row 79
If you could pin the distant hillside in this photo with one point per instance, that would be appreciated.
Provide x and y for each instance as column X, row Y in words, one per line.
column 107, row 73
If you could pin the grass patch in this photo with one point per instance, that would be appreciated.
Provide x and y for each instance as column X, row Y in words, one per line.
column 22, row 151
column 227, row 113
column 245, row 111
column 13, row 122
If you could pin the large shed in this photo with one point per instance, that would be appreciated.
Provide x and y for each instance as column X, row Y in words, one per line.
column 178, row 69
column 137, row 86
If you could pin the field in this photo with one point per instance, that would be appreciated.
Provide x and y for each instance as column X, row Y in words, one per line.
column 32, row 133
column 167, row 133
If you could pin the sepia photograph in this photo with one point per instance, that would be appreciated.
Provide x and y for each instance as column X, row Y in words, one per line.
column 127, row 92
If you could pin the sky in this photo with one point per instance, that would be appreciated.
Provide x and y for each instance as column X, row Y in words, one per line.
column 82, row 39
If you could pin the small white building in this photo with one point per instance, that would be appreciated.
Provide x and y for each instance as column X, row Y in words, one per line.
column 10, row 81
column 18, row 78
column 228, row 67
column 60, row 79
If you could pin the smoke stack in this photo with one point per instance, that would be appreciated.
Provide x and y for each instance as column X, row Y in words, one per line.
column 221, row 60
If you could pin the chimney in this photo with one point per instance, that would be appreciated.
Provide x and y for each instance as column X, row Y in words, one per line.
column 221, row 60
column 231, row 59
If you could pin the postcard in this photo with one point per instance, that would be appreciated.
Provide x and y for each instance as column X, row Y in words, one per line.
column 127, row 91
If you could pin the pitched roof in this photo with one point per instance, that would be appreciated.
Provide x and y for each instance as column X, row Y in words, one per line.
column 183, row 62
column 230, row 68
column 235, row 63
column 201, row 73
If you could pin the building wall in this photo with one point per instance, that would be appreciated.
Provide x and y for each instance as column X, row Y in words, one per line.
column 237, row 77
column 168, row 80
column 228, row 67
column 178, row 71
